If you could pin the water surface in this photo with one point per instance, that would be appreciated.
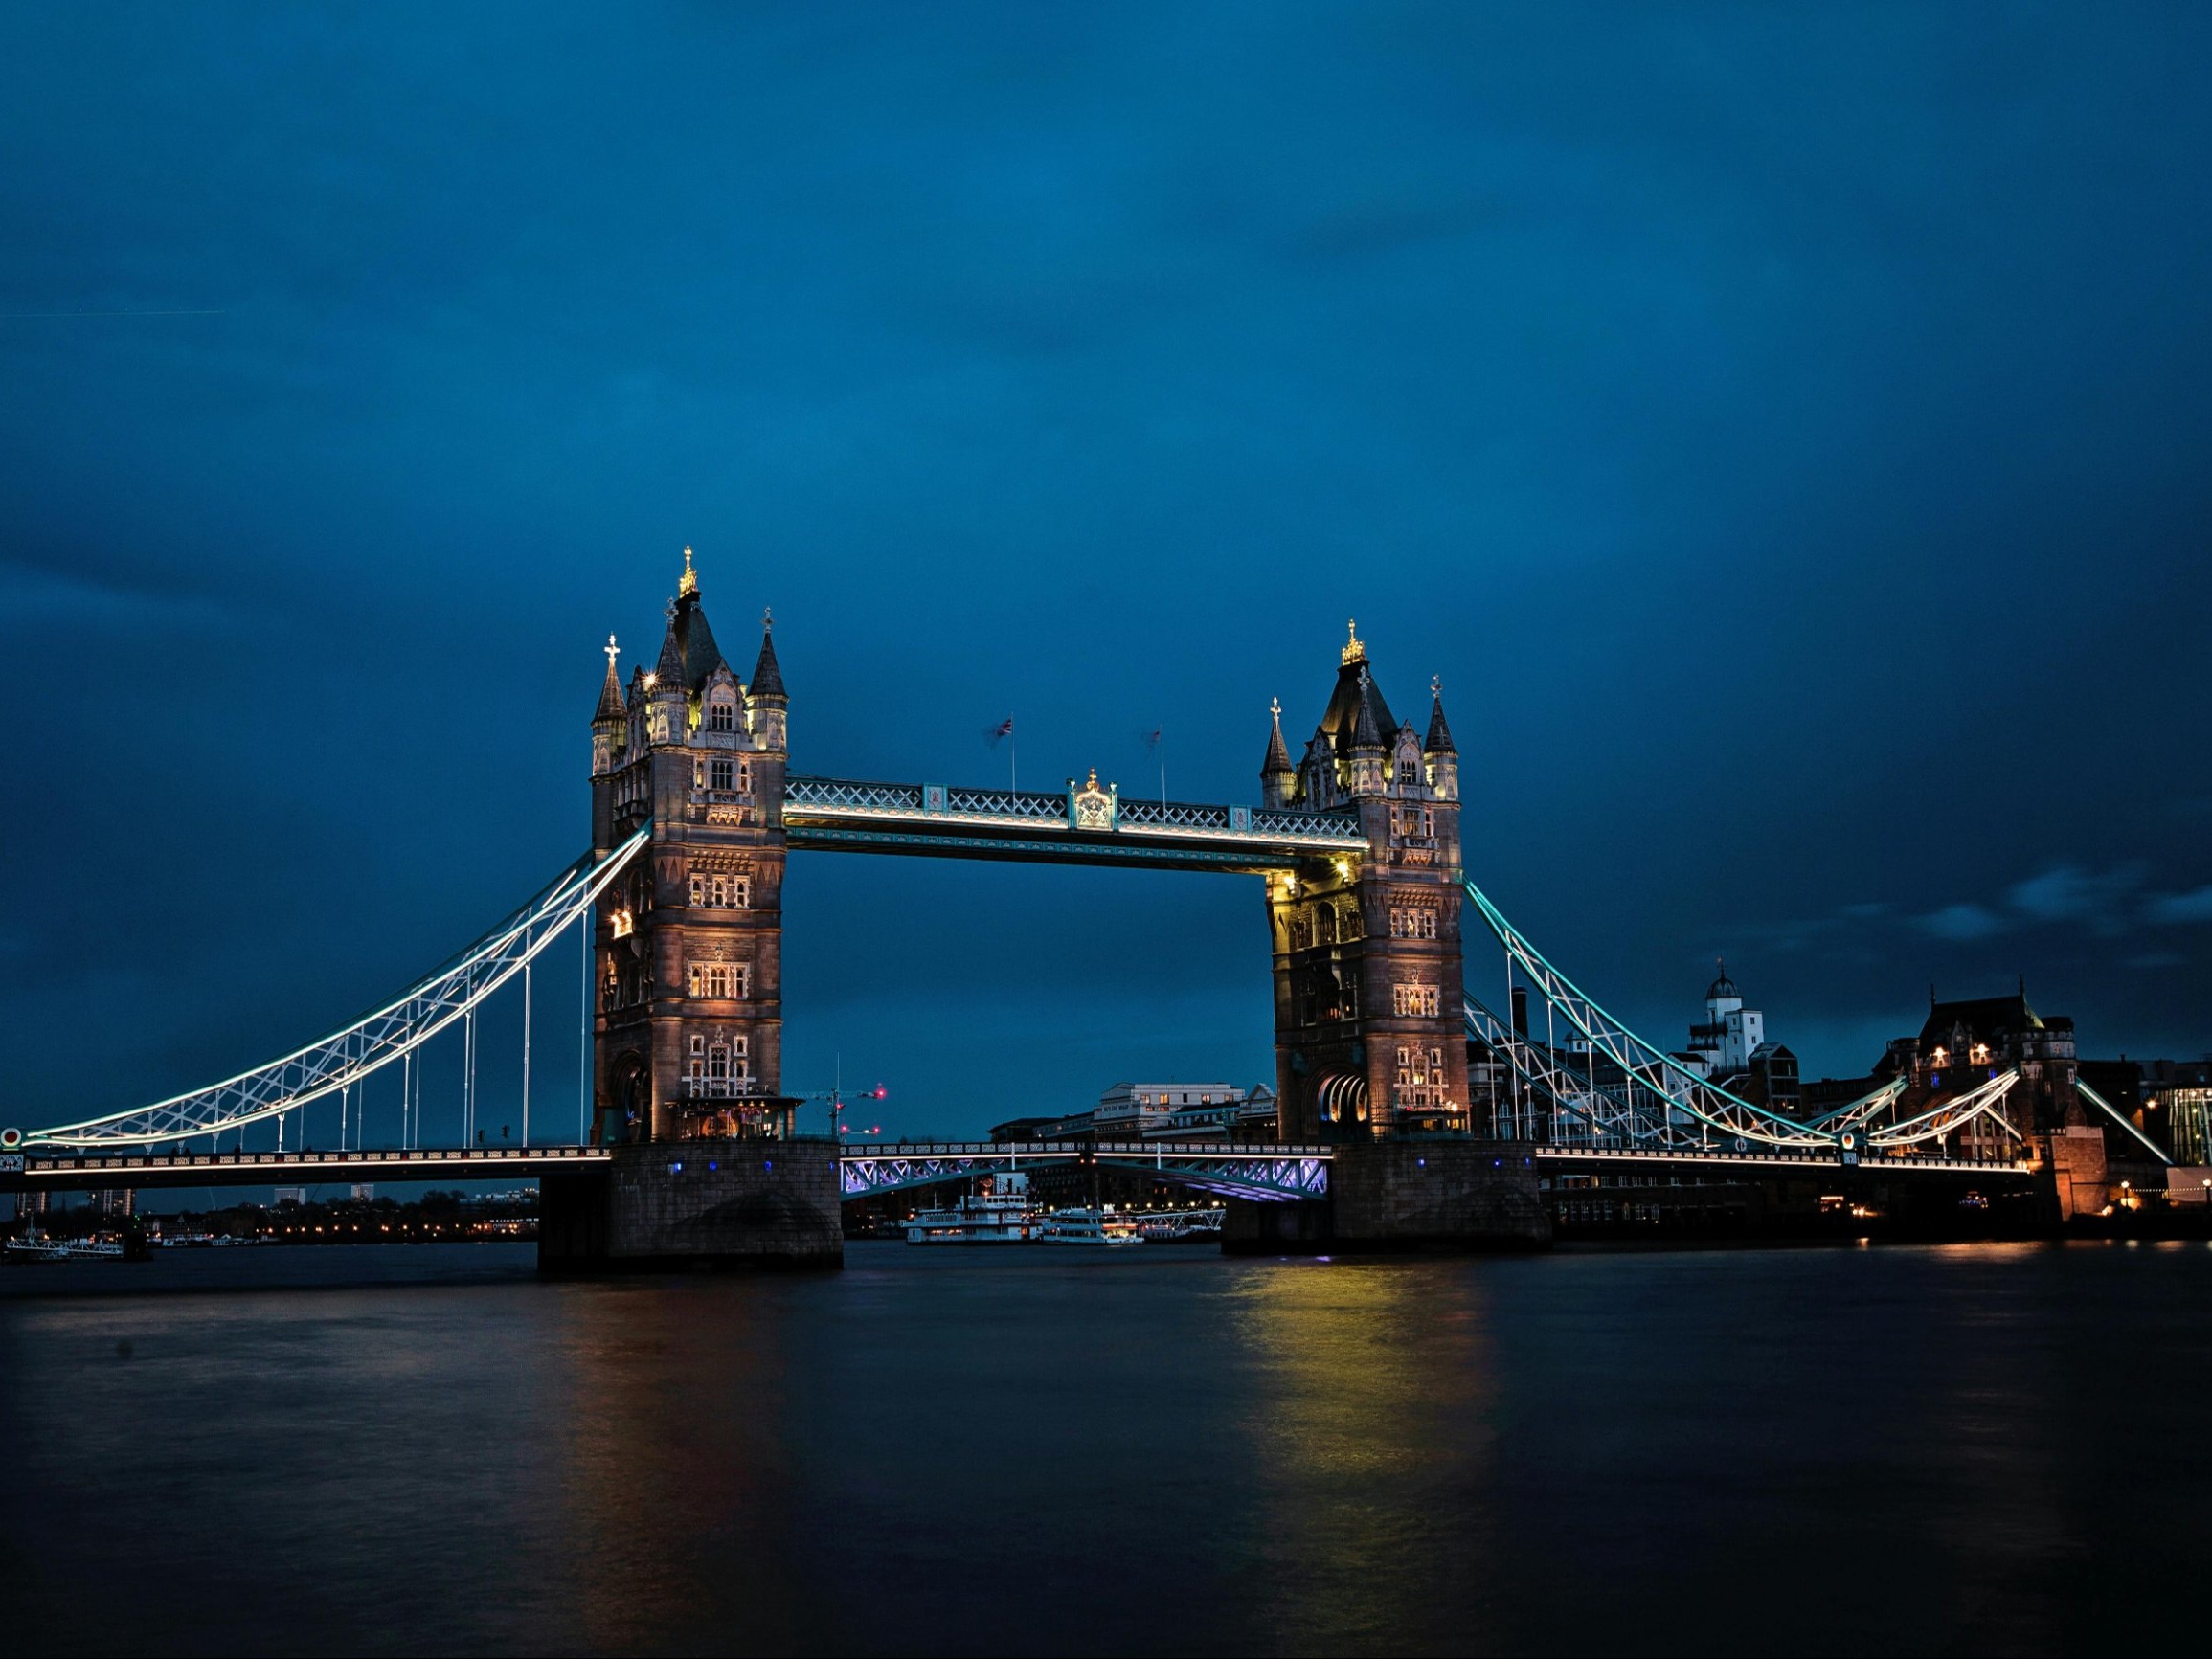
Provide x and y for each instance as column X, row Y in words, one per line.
column 1901, row 1450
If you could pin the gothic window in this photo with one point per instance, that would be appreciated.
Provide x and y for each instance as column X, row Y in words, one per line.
column 1414, row 1002
column 1302, row 934
column 718, row 981
column 1408, row 770
column 720, row 715
column 722, row 772
column 1326, row 920
column 715, row 891
column 1412, row 922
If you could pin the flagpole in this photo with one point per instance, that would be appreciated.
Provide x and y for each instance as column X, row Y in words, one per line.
column 1013, row 763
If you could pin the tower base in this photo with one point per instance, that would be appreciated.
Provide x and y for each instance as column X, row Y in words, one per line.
column 1404, row 1195
column 697, row 1204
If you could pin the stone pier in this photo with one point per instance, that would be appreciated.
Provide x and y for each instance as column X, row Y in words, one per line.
column 1405, row 1195
column 700, row 1203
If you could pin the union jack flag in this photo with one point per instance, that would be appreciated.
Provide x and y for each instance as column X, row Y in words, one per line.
column 1005, row 728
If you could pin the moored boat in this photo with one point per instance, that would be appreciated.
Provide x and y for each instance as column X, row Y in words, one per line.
column 999, row 1211
column 1182, row 1226
column 1089, row 1226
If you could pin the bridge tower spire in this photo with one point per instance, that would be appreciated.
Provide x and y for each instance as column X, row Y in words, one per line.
column 1368, row 1028
column 687, row 967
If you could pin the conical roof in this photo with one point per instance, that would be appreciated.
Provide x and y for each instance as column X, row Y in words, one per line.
column 1355, row 685
column 1366, row 730
column 1440, row 734
column 1277, row 752
column 701, row 655
column 669, row 671
column 611, row 705
column 767, row 673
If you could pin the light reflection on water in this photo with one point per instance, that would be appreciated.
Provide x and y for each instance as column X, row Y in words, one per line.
column 1906, row 1450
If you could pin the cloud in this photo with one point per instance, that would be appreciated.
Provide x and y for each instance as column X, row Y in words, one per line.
column 2191, row 906
column 2069, row 893
column 1963, row 922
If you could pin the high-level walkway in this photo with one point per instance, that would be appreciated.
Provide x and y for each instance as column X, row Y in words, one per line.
column 842, row 814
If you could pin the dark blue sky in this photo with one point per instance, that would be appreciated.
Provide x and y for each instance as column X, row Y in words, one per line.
column 1784, row 429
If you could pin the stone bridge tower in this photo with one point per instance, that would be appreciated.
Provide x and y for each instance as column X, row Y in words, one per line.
column 1371, row 1038
column 688, row 970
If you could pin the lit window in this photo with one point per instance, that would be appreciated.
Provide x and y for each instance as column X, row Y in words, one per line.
column 718, row 981
column 1414, row 1001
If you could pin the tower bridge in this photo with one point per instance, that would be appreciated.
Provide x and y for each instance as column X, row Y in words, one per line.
column 1390, row 1077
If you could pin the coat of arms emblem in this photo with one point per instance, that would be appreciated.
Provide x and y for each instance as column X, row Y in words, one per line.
column 1091, row 808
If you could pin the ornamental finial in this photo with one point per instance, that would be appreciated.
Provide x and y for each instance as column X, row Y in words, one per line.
column 613, row 651
column 1354, row 651
column 1273, row 704
column 1436, row 687
column 767, row 619
column 689, row 585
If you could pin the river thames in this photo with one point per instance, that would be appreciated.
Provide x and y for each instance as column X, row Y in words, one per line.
column 1988, row 1447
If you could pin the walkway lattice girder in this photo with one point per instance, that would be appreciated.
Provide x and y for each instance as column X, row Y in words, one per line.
column 1274, row 1174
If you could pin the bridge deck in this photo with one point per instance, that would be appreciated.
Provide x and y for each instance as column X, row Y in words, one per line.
column 931, row 819
column 1259, row 1168
column 263, row 1169
column 1775, row 1158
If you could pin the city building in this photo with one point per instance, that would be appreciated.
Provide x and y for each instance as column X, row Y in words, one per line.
column 2176, row 1104
column 1158, row 1111
column 1729, row 1049
column 1720, row 1046
column 1972, row 1041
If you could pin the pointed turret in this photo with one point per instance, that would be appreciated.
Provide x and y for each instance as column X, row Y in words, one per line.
column 1366, row 728
column 1443, row 755
column 611, row 705
column 609, row 718
column 1370, row 762
column 1440, row 740
column 767, row 672
column 1277, row 778
column 664, row 691
column 767, row 689
column 669, row 671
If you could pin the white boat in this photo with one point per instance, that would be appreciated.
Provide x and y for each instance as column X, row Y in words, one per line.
column 999, row 1211
column 1182, row 1226
column 36, row 1246
column 1089, row 1228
